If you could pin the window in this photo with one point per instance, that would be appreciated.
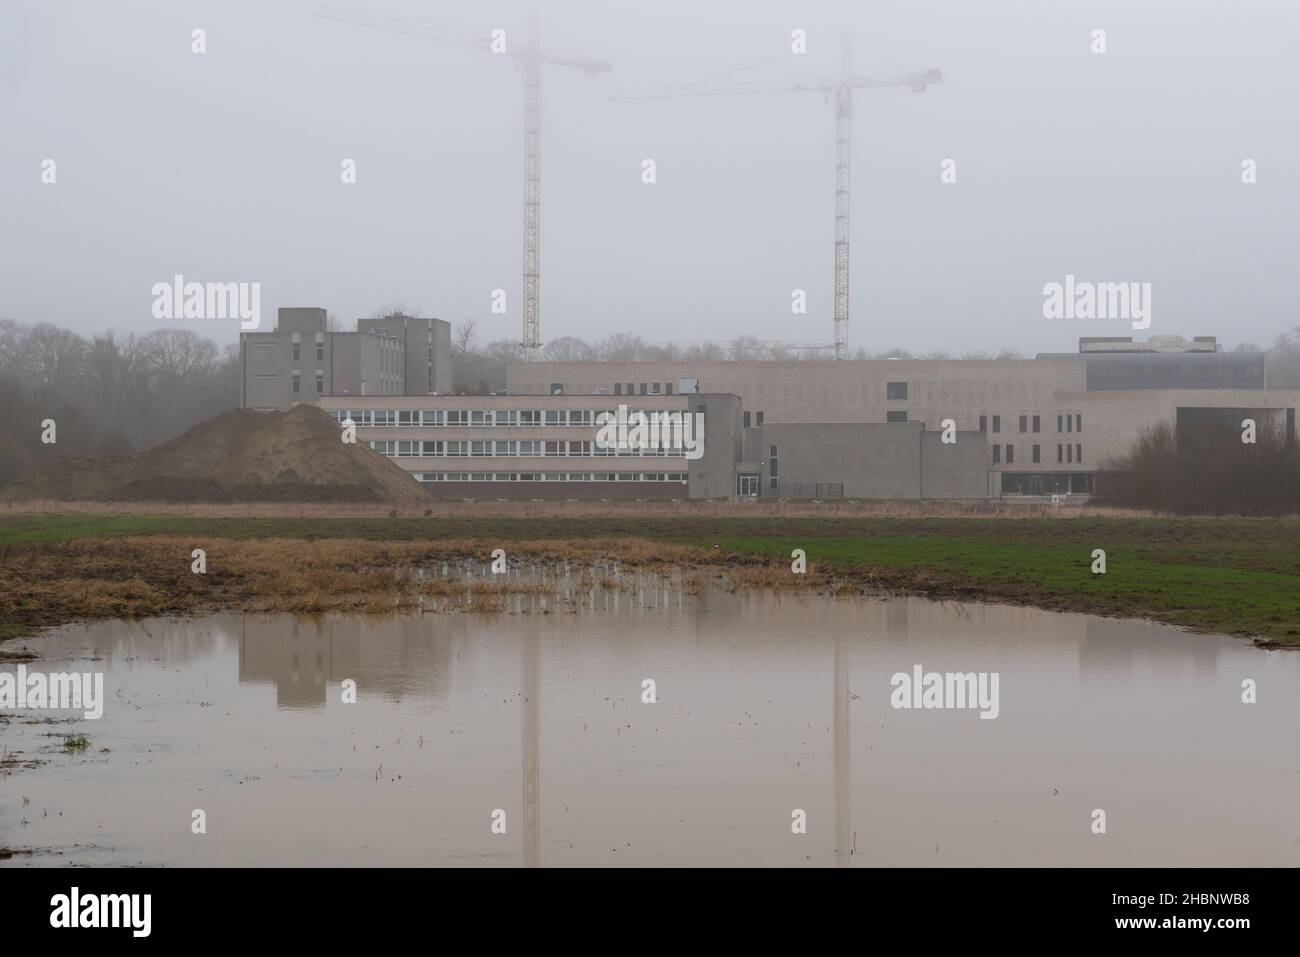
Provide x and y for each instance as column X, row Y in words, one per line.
column 668, row 388
column 896, row 416
column 771, row 465
column 1011, row 455
column 997, row 423
column 1060, row 456
column 643, row 389
column 997, row 454
column 1024, row 423
column 1078, row 422
column 557, row 388
column 297, row 351
column 984, row 423
column 555, row 417
column 896, row 391
column 432, row 417
column 654, row 388
column 1037, row 453
column 457, row 417
column 530, row 417
column 1036, row 424
column 758, row 419
column 1069, row 452
column 1058, row 424
column 746, row 419
column 630, row 389
column 618, row 388
column 1069, row 423
column 297, row 387
column 480, row 418
column 320, row 352
column 320, row 383
column 1078, row 453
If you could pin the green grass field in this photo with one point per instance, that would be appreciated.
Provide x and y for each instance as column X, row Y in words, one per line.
column 1233, row 576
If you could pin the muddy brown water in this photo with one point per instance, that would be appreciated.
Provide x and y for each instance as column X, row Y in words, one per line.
column 765, row 705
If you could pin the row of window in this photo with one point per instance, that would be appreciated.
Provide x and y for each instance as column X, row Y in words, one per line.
column 473, row 418
column 1064, row 423
column 297, row 382
column 512, row 449
column 551, row 477
column 758, row 419
column 320, row 352
column 1064, row 453
column 647, row 388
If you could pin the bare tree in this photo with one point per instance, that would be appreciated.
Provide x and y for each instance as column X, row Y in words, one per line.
column 621, row 346
column 568, row 349
column 394, row 309
column 463, row 339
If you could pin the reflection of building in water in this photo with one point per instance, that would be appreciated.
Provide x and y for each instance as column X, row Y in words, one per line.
column 393, row 656
column 1111, row 648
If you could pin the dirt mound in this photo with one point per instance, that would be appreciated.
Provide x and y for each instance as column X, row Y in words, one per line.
column 241, row 456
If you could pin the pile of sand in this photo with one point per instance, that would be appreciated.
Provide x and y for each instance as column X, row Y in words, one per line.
column 241, row 456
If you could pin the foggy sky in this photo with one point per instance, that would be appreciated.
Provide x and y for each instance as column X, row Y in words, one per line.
column 226, row 166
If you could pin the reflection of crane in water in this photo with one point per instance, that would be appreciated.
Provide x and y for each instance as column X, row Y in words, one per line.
column 840, row 743
column 529, row 733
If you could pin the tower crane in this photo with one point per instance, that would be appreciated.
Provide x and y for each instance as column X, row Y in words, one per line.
column 531, row 58
column 841, row 88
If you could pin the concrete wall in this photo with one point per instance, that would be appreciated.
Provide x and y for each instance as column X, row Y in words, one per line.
column 871, row 460
column 301, row 319
column 956, row 470
column 420, row 375
column 348, row 355
column 714, row 474
column 441, row 332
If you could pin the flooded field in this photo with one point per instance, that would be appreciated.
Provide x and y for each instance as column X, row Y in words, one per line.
column 534, row 721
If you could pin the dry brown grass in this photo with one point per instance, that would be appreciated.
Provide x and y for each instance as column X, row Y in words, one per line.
column 151, row 575
column 522, row 508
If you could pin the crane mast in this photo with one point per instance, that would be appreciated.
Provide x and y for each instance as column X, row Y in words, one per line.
column 532, row 196
column 841, row 90
column 532, row 58
column 843, row 157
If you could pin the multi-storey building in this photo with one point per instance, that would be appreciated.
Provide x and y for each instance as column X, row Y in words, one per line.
column 302, row 360
column 1047, row 425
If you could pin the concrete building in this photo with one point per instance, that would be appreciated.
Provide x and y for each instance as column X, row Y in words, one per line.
column 912, row 429
column 302, row 360
column 551, row 446
column 1046, row 425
